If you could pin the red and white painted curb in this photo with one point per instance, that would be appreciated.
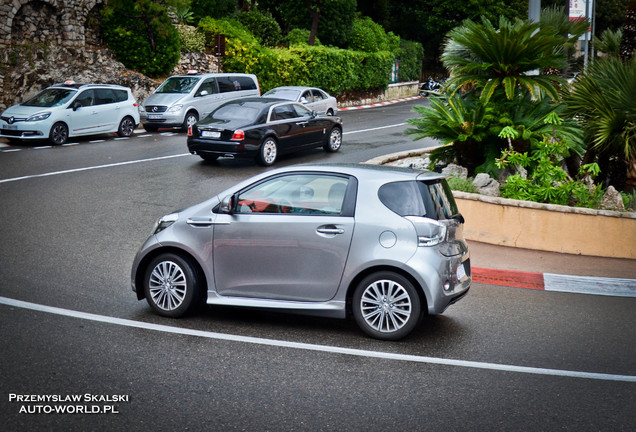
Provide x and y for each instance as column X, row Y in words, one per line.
column 379, row 104
column 556, row 282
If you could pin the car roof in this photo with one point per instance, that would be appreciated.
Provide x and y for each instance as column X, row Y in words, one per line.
column 78, row 86
column 294, row 88
column 367, row 171
column 210, row 74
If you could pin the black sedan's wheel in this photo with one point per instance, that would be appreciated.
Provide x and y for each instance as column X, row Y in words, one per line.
column 190, row 119
column 268, row 152
column 126, row 127
column 171, row 285
column 58, row 134
column 386, row 306
column 334, row 140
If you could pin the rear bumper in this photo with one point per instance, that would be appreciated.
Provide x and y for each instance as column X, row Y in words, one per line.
column 221, row 148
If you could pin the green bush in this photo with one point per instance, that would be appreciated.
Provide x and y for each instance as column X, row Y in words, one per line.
column 242, row 50
column 212, row 8
column 461, row 184
column 142, row 36
column 410, row 55
column 262, row 25
column 298, row 36
column 191, row 39
column 368, row 36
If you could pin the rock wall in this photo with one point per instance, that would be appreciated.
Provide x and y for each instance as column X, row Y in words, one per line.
column 43, row 42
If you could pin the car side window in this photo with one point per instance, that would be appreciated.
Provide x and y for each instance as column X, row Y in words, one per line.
column 209, row 85
column 298, row 194
column 229, row 84
column 104, row 96
column 302, row 111
column 318, row 96
column 120, row 95
column 85, row 98
column 284, row 112
column 307, row 96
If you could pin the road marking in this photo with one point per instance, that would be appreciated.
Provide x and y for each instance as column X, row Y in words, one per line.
column 92, row 168
column 314, row 347
column 374, row 129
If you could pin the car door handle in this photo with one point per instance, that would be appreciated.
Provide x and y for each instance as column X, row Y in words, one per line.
column 200, row 222
column 303, row 123
column 330, row 230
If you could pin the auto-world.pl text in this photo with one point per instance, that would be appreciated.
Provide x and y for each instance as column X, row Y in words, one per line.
column 86, row 403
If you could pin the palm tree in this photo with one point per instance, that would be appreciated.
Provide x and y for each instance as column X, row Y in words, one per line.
column 604, row 103
column 610, row 42
column 504, row 58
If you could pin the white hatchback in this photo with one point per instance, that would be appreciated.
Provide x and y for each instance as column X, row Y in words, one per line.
column 68, row 110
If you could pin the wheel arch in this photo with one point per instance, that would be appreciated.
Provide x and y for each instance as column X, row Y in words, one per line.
column 143, row 265
column 366, row 272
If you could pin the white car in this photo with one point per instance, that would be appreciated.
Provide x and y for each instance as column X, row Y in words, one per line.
column 68, row 110
column 313, row 98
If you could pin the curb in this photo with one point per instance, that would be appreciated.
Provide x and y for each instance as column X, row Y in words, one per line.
column 555, row 282
column 378, row 104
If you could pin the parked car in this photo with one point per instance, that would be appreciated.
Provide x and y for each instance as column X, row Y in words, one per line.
column 313, row 98
column 69, row 110
column 262, row 128
column 181, row 100
column 379, row 243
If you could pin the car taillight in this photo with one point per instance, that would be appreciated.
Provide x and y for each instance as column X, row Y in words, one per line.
column 189, row 130
column 238, row 135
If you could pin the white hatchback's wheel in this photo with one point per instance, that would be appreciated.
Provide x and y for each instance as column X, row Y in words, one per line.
column 268, row 152
column 334, row 140
column 386, row 306
column 126, row 127
column 171, row 285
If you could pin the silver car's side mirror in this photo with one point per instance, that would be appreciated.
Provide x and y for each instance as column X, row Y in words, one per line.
column 227, row 205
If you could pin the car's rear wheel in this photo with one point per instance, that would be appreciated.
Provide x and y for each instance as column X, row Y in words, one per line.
column 268, row 152
column 386, row 306
column 190, row 119
column 172, row 285
column 334, row 140
column 126, row 127
column 58, row 134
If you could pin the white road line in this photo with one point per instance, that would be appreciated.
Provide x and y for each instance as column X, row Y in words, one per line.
column 92, row 168
column 313, row 347
column 374, row 129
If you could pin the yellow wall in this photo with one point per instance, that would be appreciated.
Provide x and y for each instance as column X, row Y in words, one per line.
column 548, row 227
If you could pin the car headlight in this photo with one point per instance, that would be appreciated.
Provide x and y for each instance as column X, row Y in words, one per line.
column 175, row 108
column 39, row 116
column 141, row 108
column 164, row 222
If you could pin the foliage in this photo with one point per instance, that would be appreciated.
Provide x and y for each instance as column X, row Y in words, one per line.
column 410, row 55
column 184, row 15
column 499, row 59
column 191, row 39
column 604, row 103
column 461, row 184
column 141, row 35
column 368, row 36
column 629, row 200
column 299, row 37
column 212, row 8
column 241, row 47
column 610, row 42
column 262, row 25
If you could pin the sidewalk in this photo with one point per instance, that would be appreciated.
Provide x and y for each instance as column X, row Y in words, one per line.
column 551, row 271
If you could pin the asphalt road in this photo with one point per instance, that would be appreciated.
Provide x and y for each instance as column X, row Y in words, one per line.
column 74, row 216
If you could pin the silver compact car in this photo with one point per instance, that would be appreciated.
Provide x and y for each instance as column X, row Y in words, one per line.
column 382, row 244
column 313, row 98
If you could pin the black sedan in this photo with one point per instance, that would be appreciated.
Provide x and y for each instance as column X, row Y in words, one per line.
column 262, row 128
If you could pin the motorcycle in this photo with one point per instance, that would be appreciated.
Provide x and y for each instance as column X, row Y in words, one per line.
column 430, row 86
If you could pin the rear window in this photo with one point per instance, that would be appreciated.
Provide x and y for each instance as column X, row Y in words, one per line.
column 416, row 198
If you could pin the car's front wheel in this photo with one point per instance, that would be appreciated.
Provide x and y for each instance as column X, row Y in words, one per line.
column 58, row 134
column 268, row 152
column 386, row 306
column 334, row 140
column 126, row 127
column 190, row 119
column 172, row 285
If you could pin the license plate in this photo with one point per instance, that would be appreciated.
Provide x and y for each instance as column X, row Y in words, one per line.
column 154, row 116
column 10, row 127
column 461, row 273
column 211, row 134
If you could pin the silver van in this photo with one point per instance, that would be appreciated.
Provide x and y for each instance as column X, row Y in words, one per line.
column 181, row 100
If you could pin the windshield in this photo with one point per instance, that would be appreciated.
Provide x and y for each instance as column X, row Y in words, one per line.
column 283, row 94
column 51, row 97
column 179, row 85
column 235, row 112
